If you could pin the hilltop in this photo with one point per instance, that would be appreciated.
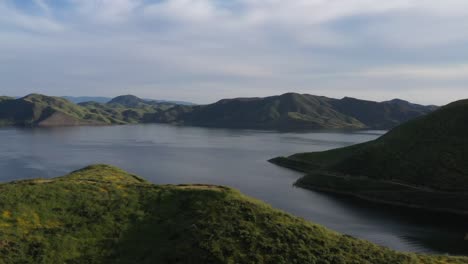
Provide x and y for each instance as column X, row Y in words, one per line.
column 296, row 111
column 101, row 214
column 421, row 163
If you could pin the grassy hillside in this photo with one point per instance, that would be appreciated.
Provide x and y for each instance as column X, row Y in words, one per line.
column 101, row 214
column 296, row 111
column 35, row 109
column 120, row 114
column 422, row 162
column 128, row 101
column 41, row 110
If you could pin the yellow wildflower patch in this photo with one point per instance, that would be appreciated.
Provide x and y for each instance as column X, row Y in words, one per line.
column 6, row 214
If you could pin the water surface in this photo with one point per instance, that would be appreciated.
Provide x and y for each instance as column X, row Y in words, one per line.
column 167, row 154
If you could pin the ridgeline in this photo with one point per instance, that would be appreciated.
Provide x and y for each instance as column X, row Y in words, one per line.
column 289, row 111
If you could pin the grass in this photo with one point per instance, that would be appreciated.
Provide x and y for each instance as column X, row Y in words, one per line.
column 102, row 214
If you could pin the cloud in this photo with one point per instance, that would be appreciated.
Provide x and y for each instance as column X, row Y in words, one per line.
column 13, row 18
column 185, row 10
column 202, row 49
column 43, row 6
column 107, row 11
column 445, row 72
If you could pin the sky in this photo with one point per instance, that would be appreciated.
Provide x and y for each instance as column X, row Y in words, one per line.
column 205, row 50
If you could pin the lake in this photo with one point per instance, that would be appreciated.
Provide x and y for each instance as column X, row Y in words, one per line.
column 167, row 154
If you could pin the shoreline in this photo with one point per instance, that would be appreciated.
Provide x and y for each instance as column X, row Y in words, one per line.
column 296, row 165
column 459, row 213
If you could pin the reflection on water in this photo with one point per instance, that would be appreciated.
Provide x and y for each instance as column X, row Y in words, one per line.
column 173, row 155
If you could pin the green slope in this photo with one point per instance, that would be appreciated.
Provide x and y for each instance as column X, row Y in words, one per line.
column 296, row 111
column 421, row 163
column 37, row 110
column 41, row 110
column 102, row 214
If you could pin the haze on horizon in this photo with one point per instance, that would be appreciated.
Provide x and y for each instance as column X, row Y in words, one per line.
column 205, row 50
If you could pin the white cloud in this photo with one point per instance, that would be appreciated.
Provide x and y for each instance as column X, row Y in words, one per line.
column 445, row 72
column 185, row 10
column 11, row 17
column 107, row 11
column 43, row 6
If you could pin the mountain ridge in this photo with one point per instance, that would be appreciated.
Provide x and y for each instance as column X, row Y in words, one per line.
column 290, row 111
column 295, row 111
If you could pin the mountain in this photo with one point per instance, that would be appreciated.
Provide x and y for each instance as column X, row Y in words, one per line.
column 421, row 163
column 40, row 110
column 382, row 115
column 128, row 101
column 101, row 214
column 104, row 100
column 283, row 112
column 82, row 99
column 297, row 111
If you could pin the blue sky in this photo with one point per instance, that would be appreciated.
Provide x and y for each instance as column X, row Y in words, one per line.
column 205, row 50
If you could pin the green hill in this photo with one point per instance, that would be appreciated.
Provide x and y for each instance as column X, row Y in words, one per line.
column 421, row 163
column 296, row 111
column 41, row 110
column 127, row 101
column 101, row 214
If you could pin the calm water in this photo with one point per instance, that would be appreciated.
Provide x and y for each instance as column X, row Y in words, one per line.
column 237, row 158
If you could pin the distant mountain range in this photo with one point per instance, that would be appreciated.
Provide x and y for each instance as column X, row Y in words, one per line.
column 282, row 112
column 422, row 163
column 296, row 111
column 103, row 100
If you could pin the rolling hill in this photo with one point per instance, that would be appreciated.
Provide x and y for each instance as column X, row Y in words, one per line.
column 289, row 111
column 421, row 163
column 296, row 111
column 40, row 110
column 101, row 214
